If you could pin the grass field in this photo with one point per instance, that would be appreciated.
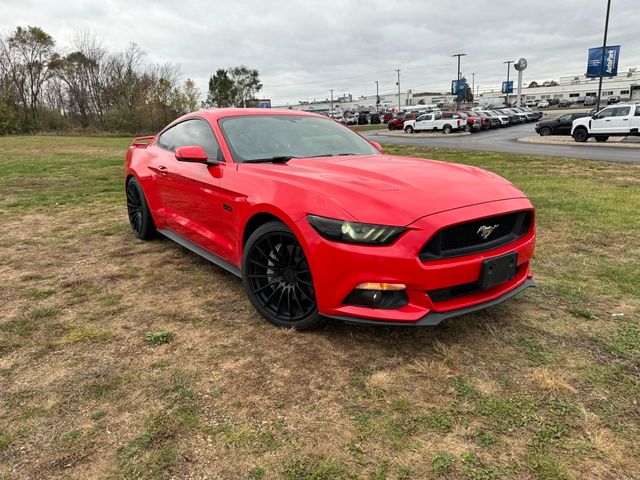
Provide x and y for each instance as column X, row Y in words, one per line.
column 123, row 359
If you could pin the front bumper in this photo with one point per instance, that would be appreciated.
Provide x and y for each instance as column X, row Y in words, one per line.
column 338, row 268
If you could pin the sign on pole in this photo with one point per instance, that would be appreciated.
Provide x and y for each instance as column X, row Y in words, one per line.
column 610, row 67
column 459, row 88
column 507, row 87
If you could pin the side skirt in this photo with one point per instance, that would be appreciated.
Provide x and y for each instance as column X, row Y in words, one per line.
column 203, row 252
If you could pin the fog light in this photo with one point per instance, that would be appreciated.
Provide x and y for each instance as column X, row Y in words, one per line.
column 386, row 296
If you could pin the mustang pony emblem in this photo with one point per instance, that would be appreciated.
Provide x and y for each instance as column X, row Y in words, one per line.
column 485, row 230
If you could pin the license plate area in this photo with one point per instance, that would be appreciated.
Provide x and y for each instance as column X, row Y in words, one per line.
column 498, row 270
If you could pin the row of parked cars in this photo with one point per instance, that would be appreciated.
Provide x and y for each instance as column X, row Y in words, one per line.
column 472, row 120
column 619, row 120
column 358, row 118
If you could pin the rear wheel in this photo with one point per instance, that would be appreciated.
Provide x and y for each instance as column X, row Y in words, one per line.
column 601, row 138
column 277, row 278
column 447, row 129
column 138, row 211
column 580, row 135
column 409, row 129
column 545, row 131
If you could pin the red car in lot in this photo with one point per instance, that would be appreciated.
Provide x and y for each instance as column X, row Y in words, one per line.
column 397, row 122
column 319, row 222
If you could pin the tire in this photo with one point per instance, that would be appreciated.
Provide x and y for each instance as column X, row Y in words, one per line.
column 409, row 129
column 138, row 211
column 447, row 129
column 392, row 127
column 601, row 138
column 467, row 128
column 277, row 278
column 545, row 132
column 581, row 135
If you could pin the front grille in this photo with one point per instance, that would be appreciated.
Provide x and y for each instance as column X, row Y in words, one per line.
column 466, row 238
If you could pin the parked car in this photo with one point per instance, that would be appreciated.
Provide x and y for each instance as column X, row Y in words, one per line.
column 529, row 116
column 397, row 123
column 339, row 118
column 514, row 118
column 565, row 102
column 543, row 104
column 363, row 118
column 375, row 119
column 537, row 113
column 504, row 120
column 341, row 231
column 620, row 121
column 474, row 121
column 558, row 126
column 589, row 101
column 531, row 103
column 351, row 120
column 434, row 121
column 386, row 117
column 493, row 122
column 613, row 99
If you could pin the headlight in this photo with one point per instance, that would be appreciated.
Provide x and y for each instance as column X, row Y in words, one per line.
column 353, row 232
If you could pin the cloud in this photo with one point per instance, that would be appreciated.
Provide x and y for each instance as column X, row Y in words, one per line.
column 305, row 48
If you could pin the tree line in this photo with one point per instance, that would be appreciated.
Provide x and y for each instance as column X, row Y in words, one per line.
column 92, row 89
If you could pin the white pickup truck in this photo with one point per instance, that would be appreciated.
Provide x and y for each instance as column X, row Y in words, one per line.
column 620, row 120
column 433, row 121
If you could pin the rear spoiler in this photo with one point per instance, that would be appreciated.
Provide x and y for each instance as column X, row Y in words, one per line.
column 142, row 142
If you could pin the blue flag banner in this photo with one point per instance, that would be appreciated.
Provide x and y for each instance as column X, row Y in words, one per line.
column 595, row 68
column 459, row 88
column 507, row 87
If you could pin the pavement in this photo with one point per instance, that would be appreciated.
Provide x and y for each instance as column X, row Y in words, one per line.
column 506, row 140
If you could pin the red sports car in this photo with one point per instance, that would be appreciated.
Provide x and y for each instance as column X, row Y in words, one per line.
column 320, row 223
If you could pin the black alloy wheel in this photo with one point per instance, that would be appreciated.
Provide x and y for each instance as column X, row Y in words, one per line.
column 580, row 135
column 278, row 279
column 138, row 211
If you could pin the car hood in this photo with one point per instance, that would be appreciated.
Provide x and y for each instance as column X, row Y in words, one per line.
column 388, row 189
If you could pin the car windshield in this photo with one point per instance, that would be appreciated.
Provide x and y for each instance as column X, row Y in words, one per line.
column 253, row 138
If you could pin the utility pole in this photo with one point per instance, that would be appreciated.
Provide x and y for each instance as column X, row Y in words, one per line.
column 508, row 62
column 473, row 86
column 458, row 84
column 377, row 95
column 399, row 103
column 331, row 113
column 604, row 46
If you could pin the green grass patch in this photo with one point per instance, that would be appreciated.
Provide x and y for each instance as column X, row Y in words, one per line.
column 159, row 338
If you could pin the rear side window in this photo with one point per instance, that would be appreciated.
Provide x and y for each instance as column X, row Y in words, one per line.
column 195, row 132
column 166, row 139
column 622, row 111
column 637, row 110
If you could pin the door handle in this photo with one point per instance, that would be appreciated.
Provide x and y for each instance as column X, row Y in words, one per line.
column 607, row 120
column 162, row 169
column 625, row 119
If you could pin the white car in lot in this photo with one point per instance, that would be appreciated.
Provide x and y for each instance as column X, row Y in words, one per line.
column 621, row 120
column 543, row 104
column 433, row 122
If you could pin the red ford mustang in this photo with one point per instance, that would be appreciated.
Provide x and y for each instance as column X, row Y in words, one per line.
column 320, row 223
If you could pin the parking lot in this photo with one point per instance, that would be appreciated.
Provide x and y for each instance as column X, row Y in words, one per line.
column 505, row 140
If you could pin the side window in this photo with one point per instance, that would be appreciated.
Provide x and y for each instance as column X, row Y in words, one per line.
column 166, row 139
column 196, row 132
column 421, row 118
column 637, row 110
column 621, row 111
column 606, row 113
column 565, row 118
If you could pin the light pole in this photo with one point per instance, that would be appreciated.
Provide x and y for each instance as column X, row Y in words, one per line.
column 399, row 103
column 604, row 46
column 377, row 96
column 473, row 86
column 508, row 62
column 458, row 83
column 331, row 113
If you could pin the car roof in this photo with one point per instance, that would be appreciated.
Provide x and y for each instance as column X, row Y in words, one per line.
column 215, row 114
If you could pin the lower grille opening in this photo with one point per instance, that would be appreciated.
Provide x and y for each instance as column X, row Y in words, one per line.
column 382, row 299
column 442, row 294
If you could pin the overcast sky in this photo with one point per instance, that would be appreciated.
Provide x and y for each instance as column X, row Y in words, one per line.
column 304, row 48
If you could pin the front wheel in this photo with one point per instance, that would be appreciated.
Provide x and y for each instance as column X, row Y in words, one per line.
column 580, row 135
column 467, row 128
column 447, row 129
column 392, row 127
column 602, row 138
column 409, row 129
column 545, row 131
column 277, row 278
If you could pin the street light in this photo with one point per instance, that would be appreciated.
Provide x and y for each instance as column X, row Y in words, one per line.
column 457, row 84
column 604, row 47
column 508, row 62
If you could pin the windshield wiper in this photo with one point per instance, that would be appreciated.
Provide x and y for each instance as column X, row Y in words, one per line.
column 280, row 159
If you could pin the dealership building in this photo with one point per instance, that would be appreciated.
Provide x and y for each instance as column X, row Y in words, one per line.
column 625, row 85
